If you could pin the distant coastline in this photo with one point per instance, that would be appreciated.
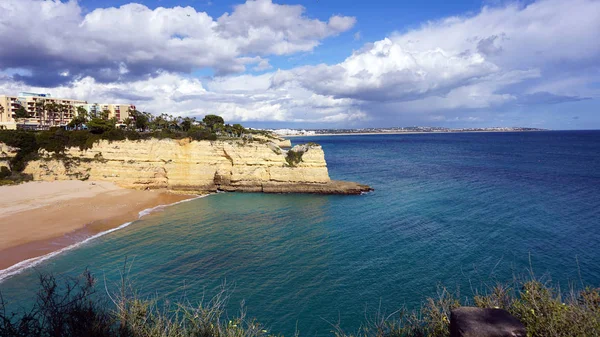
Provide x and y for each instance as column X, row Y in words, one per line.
column 409, row 133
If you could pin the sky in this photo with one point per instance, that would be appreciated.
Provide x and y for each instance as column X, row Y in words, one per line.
column 315, row 63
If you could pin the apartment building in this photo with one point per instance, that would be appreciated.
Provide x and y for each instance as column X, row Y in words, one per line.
column 47, row 112
column 118, row 111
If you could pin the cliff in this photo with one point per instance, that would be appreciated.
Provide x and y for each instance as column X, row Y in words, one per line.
column 6, row 154
column 196, row 166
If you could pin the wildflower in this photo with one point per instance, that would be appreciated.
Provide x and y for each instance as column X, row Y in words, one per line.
column 532, row 312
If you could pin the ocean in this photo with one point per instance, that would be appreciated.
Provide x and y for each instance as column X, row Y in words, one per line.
column 459, row 210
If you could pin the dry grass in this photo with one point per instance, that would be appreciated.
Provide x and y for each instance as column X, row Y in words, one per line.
column 73, row 309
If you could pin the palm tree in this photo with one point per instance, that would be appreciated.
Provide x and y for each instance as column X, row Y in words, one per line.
column 39, row 111
column 51, row 110
column 128, row 123
column 60, row 109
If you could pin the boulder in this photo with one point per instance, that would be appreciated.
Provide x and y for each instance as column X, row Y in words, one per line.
column 484, row 322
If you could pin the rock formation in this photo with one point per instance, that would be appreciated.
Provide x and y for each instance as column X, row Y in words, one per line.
column 484, row 322
column 6, row 153
column 195, row 166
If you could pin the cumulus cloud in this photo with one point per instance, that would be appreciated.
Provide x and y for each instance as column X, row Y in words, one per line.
column 236, row 98
column 386, row 71
column 492, row 59
column 456, row 69
column 58, row 43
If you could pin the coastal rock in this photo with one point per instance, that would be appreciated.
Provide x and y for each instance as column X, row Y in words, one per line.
column 6, row 154
column 484, row 322
column 281, row 142
column 194, row 166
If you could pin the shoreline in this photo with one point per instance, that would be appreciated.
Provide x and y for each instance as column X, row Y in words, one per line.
column 404, row 133
column 43, row 219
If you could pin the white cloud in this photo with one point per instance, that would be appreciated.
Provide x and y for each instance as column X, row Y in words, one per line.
column 236, row 98
column 385, row 71
column 51, row 37
column 446, row 70
column 500, row 56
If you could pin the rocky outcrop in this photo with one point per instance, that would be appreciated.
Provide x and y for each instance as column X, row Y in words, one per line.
column 281, row 142
column 195, row 166
column 6, row 154
column 484, row 322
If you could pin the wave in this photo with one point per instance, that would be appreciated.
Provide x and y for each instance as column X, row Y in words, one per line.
column 29, row 263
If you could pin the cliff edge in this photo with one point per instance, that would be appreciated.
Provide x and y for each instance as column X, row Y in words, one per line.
column 196, row 166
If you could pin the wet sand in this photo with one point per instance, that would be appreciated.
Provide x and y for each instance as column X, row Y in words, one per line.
column 41, row 217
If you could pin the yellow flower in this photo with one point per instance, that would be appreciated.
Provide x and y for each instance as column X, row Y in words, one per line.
column 533, row 311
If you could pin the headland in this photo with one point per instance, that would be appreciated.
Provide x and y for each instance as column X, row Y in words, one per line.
column 81, row 184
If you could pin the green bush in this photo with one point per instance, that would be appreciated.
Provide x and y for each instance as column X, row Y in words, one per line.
column 201, row 134
column 27, row 144
column 6, row 182
column 4, row 172
column 293, row 158
column 73, row 310
column 57, row 140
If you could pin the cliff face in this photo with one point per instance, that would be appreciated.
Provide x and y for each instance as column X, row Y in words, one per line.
column 193, row 166
column 6, row 154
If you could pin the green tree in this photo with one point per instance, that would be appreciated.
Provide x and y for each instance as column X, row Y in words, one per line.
column 187, row 122
column 40, row 111
column 62, row 111
column 238, row 130
column 81, row 117
column 100, row 126
column 105, row 114
column 129, row 122
column 141, row 119
column 213, row 122
column 21, row 113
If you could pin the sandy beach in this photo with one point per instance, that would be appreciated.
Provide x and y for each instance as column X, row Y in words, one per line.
column 37, row 218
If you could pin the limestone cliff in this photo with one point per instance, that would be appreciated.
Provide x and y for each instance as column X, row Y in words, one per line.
column 195, row 166
column 6, row 154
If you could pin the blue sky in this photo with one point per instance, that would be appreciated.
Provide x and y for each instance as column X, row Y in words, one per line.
column 312, row 64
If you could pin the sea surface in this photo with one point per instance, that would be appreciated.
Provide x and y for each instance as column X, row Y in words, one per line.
column 459, row 210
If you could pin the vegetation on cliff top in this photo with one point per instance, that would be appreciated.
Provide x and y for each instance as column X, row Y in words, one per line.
column 75, row 309
column 99, row 127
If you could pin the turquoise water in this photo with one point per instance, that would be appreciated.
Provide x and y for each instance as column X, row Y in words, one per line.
column 455, row 209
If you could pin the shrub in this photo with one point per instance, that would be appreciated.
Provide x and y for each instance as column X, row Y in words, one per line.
column 201, row 134
column 99, row 126
column 114, row 135
column 74, row 309
column 4, row 172
column 27, row 144
column 294, row 157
